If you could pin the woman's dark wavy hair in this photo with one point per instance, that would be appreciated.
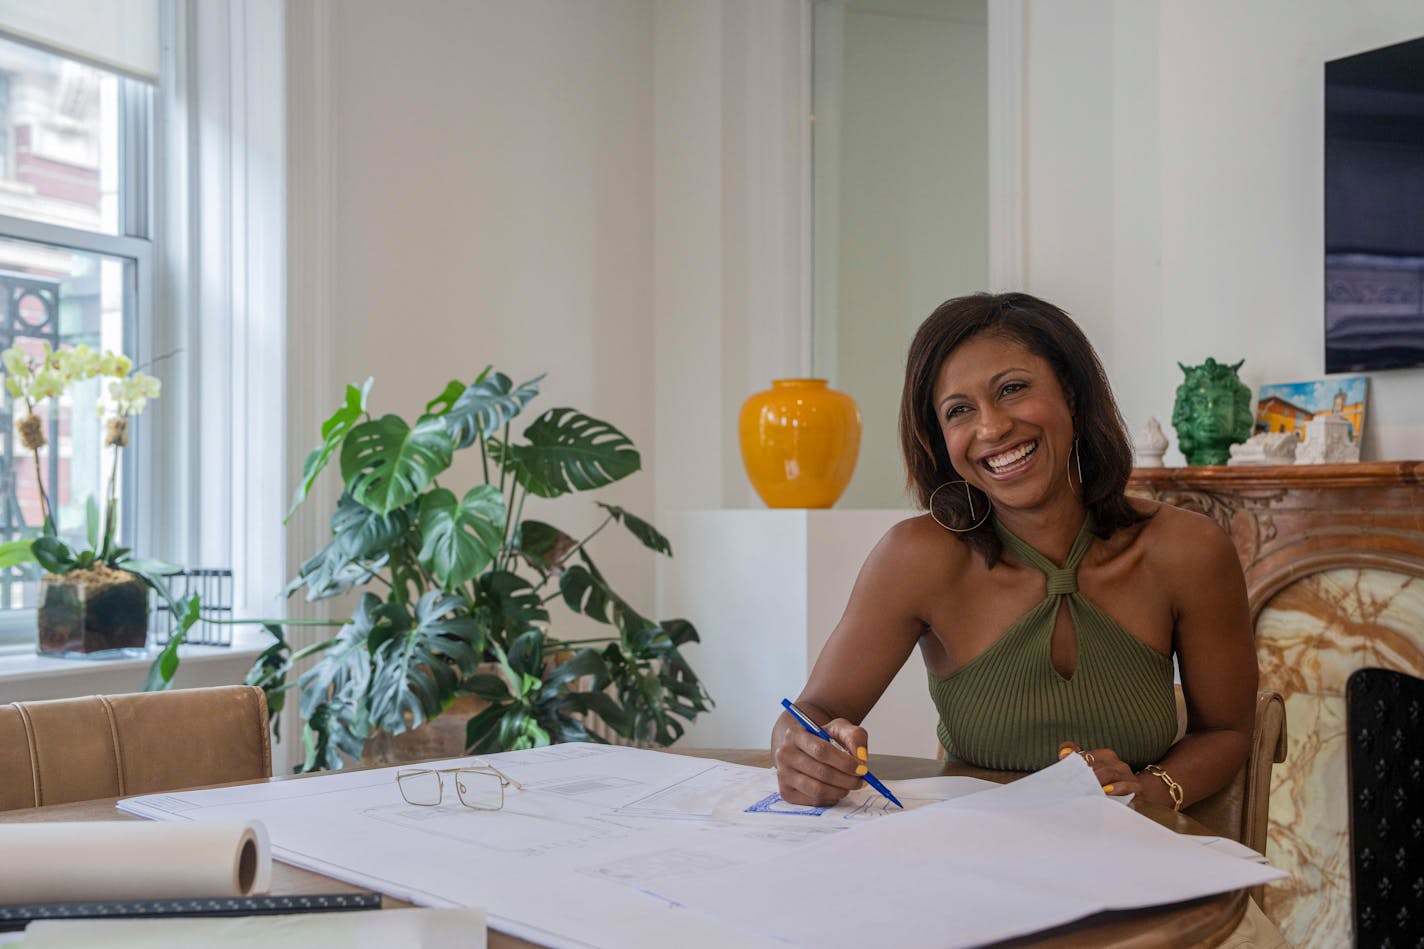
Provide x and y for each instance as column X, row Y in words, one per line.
column 1048, row 332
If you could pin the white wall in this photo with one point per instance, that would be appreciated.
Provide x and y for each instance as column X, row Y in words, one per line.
column 902, row 130
column 1174, row 188
column 491, row 204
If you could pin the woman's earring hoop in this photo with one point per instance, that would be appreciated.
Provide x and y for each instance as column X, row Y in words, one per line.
column 1077, row 453
column 969, row 496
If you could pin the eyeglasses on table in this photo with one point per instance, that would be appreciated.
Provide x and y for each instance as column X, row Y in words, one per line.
column 479, row 786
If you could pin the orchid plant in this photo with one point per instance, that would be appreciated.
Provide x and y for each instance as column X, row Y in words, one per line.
column 31, row 382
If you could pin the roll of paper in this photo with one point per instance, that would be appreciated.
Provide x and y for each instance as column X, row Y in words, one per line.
column 132, row 860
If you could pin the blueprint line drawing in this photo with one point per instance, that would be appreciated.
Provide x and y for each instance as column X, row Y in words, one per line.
column 854, row 807
column 657, row 864
column 773, row 804
column 694, row 797
column 582, row 786
column 525, row 835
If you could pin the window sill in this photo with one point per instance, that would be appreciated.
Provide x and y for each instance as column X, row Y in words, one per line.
column 25, row 675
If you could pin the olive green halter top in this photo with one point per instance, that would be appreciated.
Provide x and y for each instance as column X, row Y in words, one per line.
column 1009, row 709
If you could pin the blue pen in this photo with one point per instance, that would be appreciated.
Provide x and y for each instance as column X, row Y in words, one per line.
column 822, row 734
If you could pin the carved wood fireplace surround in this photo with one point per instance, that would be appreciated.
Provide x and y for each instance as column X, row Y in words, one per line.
column 1334, row 562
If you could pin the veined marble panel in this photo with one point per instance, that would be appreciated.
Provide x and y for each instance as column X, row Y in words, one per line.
column 1309, row 638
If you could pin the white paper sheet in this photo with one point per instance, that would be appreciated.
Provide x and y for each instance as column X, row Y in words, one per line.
column 559, row 844
column 1069, row 778
column 387, row 929
column 1006, row 862
column 122, row 860
column 618, row 847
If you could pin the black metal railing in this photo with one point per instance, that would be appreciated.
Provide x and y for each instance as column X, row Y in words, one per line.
column 213, row 585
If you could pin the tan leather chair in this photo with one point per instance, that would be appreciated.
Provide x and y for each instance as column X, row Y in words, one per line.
column 117, row 745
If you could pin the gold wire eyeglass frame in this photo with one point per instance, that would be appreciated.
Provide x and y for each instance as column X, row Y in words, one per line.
column 481, row 770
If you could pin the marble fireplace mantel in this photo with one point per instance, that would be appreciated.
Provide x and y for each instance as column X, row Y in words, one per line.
column 1334, row 563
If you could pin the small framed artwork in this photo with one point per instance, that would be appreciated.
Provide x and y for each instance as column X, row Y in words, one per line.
column 1287, row 406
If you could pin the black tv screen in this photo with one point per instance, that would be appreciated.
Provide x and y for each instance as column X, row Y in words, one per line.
column 1374, row 209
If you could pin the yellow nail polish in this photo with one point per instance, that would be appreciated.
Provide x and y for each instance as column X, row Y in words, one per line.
column 1064, row 752
column 1107, row 788
column 861, row 769
column 861, row 753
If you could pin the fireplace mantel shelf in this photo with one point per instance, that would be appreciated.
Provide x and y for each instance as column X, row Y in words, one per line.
column 1247, row 477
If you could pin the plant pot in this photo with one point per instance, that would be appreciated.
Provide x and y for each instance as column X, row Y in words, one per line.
column 440, row 737
column 97, row 613
column 444, row 735
column 800, row 441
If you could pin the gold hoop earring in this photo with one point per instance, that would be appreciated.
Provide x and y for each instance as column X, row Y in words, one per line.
column 969, row 496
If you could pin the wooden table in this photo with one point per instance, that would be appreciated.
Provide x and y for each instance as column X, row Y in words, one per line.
column 1195, row 923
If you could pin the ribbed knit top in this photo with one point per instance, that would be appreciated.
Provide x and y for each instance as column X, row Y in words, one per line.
column 1008, row 709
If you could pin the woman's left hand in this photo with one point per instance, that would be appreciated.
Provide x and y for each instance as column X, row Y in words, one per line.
column 1113, row 773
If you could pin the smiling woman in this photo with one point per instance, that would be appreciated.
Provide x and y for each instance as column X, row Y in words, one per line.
column 1047, row 605
column 1044, row 370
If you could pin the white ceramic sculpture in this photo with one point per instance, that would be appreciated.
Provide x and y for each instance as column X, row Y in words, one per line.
column 1268, row 448
column 1150, row 444
column 1327, row 441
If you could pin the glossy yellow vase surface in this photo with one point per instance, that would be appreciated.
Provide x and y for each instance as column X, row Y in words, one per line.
column 800, row 441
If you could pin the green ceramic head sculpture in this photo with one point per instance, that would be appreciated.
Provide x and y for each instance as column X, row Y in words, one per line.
column 1212, row 413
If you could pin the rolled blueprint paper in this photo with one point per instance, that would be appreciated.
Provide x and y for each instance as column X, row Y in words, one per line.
column 132, row 860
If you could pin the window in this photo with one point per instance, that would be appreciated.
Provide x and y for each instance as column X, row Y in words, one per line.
column 75, row 262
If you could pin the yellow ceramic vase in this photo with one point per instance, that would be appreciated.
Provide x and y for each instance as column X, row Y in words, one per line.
column 800, row 441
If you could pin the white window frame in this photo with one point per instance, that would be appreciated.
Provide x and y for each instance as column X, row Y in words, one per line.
column 133, row 243
column 221, row 296
column 210, row 475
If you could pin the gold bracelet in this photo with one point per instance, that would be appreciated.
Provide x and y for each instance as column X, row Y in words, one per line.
column 1173, row 788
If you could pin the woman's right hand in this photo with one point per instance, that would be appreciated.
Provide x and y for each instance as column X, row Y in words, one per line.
column 816, row 772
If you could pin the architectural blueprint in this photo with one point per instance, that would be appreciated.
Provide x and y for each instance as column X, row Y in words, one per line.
column 618, row 847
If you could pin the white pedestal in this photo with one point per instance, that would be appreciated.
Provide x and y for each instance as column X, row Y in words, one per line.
column 765, row 588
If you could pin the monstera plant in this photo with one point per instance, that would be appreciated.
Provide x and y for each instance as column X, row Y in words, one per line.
column 454, row 586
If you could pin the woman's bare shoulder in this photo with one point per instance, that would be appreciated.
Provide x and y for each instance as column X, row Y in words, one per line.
column 918, row 545
column 1179, row 539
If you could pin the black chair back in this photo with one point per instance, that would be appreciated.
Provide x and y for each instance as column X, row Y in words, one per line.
column 1385, row 723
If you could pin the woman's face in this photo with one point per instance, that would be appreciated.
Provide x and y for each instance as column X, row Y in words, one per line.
column 1006, row 421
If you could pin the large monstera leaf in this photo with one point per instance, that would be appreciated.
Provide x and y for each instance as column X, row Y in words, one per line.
column 586, row 591
column 462, row 537
column 387, row 464
column 508, row 605
column 333, row 430
column 340, row 677
column 569, row 451
column 542, row 546
column 647, row 534
column 361, row 532
column 331, row 572
column 485, row 405
column 417, row 669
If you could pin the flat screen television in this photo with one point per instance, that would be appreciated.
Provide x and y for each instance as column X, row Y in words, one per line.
column 1374, row 209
